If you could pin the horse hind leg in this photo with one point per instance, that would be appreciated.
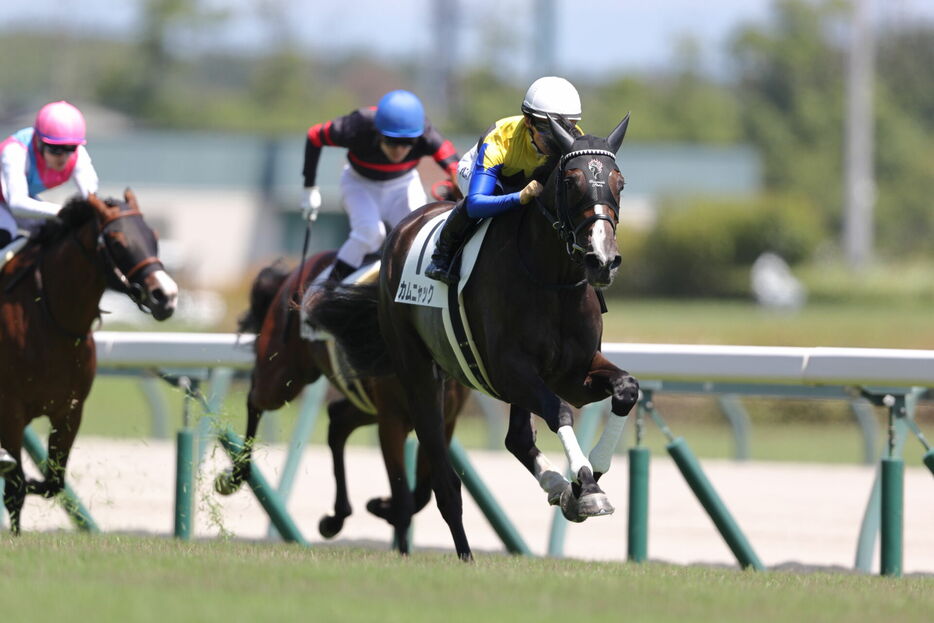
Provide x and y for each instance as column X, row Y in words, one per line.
column 343, row 419
column 520, row 441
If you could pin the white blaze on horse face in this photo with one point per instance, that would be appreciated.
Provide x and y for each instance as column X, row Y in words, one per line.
column 168, row 286
column 603, row 238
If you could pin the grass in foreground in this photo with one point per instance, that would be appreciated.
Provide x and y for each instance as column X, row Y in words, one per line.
column 122, row 578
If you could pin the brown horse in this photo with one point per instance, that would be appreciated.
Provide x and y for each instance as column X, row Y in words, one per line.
column 286, row 363
column 534, row 314
column 49, row 301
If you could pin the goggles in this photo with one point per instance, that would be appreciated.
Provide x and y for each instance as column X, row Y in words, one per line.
column 58, row 150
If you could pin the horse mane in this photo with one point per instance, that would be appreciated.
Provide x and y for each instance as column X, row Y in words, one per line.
column 75, row 213
column 262, row 293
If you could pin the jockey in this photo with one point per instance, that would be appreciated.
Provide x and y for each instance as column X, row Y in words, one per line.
column 379, row 183
column 496, row 174
column 38, row 158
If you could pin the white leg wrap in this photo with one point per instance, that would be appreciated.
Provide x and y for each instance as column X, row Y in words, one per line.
column 549, row 479
column 602, row 454
column 576, row 458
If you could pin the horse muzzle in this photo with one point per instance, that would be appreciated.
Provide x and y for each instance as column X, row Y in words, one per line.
column 600, row 270
column 161, row 295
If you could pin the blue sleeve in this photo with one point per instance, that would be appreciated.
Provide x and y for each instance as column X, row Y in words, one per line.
column 481, row 202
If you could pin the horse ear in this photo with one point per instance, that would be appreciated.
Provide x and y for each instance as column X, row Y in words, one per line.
column 129, row 196
column 562, row 136
column 615, row 139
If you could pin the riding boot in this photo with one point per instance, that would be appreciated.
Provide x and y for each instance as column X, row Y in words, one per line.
column 450, row 239
column 340, row 270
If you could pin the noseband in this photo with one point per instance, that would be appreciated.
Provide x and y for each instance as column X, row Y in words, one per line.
column 561, row 219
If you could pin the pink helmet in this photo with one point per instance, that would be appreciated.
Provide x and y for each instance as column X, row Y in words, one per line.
column 60, row 123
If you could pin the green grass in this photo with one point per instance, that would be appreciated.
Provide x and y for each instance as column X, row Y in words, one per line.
column 121, row 578
column 880, row 324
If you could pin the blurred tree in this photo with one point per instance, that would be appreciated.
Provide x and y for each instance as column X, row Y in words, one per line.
column 791, row 90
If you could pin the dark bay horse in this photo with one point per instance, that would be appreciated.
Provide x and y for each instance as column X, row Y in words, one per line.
column 285, row 363
column 49, row 297
column 535, row 318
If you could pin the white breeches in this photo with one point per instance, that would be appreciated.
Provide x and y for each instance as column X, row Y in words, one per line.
column 371, row 206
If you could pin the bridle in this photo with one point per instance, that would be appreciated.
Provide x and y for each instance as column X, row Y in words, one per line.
column 118, row 279
column 560, row 219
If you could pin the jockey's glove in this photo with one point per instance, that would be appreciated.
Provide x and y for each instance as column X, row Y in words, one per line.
column 532, row 189
column 311, row 203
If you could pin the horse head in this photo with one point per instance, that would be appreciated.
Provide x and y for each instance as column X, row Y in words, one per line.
column 129, row 250
column 587, row 185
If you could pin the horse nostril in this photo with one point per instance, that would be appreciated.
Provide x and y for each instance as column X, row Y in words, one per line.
column 592, row 261
column 616, row 262
column 158, row 295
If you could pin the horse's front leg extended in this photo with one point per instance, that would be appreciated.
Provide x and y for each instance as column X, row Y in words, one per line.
column 586, row 498
column 605, row 379
column 229, row 480
column 64, row 431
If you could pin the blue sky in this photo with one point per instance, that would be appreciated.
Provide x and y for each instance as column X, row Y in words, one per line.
column 596, row 38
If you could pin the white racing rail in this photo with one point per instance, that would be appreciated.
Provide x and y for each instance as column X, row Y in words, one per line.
column 670, row 362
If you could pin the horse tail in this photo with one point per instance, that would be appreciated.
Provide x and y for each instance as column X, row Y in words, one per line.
column 349, row 313
column 262, row 293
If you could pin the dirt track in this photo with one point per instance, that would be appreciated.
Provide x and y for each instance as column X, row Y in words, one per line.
column 791, row 513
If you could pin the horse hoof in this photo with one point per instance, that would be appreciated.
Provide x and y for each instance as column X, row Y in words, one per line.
column 594, row 505
column 225, row 483
column 569, row 506
column 381, row 507
column 330, row 526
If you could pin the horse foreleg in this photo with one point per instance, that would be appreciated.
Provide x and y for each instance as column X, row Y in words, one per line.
column 606, row 379
column 520, row 441
column 343, row 419
column 230, row 480
column 62, row 437
column 585, row 498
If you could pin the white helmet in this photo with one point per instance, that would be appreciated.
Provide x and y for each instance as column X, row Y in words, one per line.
column 554, row 95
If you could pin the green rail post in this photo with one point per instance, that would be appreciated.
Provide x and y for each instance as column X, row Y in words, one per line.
column 184, row 466
column 893, row 492
column 485, row 500
column 893, row 486
column 693, row 474
column 587, row 422
column 265, row 494
column 639, row 456
column 723, row 520
column 78, row 514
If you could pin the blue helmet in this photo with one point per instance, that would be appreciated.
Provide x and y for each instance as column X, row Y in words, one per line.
column 400, row 114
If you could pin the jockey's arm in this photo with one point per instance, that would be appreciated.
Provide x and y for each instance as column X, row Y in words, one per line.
column 84, row 174
column 16, row 188
column 481, row 201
